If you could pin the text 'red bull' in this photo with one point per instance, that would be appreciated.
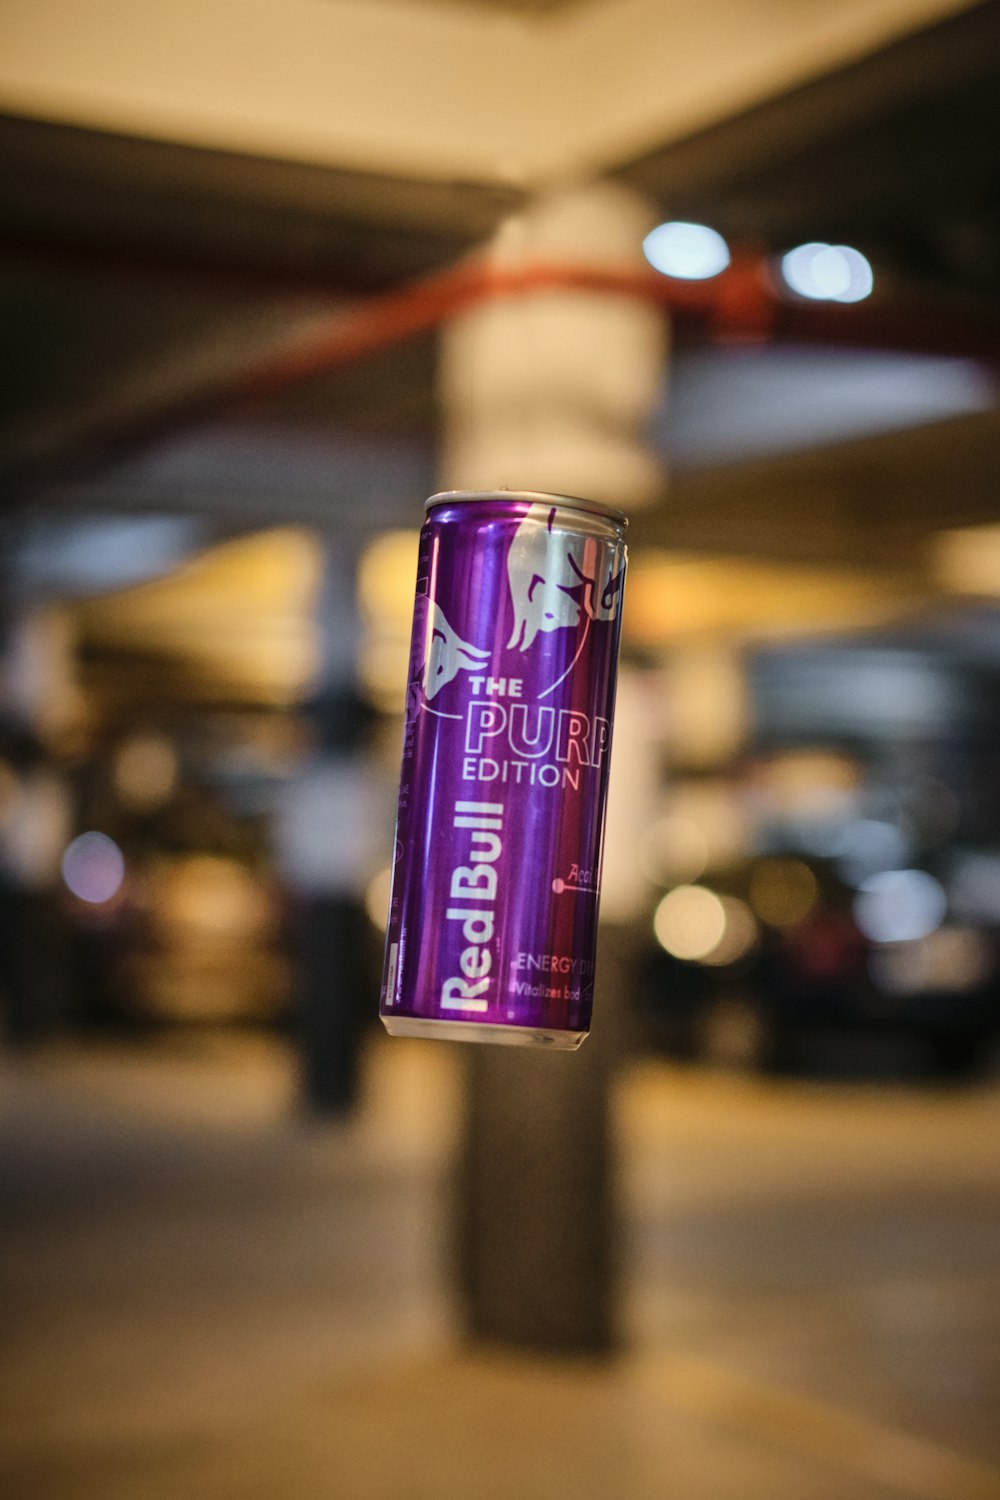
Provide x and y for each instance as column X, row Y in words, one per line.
column 477, row 883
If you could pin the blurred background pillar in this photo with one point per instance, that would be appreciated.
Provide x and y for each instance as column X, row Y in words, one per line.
column 38, row 704
column 551, row 390
column 704, row 678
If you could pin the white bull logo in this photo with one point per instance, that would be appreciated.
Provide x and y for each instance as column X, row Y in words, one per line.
column 445, row 654
column 556, row 578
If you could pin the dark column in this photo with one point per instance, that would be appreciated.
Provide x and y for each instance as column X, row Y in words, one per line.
column 538, row 1222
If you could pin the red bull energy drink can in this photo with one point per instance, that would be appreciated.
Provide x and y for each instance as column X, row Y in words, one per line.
column 506, row 750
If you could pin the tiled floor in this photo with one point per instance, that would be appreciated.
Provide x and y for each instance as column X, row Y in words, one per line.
column 207, row 1296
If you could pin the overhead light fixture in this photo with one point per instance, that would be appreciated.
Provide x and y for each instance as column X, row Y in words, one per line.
column 691, row 252
column 828, row 273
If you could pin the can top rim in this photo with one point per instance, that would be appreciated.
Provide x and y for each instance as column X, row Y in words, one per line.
column 533, row 497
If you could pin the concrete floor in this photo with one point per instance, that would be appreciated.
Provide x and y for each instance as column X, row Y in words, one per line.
column 207, row 1296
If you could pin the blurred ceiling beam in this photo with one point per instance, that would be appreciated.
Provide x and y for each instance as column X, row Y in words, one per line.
column 238, row 363
column 82, row 198
column 624, row 77
column 934, row 65
column 146, row 366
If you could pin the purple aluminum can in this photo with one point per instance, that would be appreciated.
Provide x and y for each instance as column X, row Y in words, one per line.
column 493, row 915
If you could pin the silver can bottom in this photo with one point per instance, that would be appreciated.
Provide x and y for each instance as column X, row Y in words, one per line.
column 482, row 1031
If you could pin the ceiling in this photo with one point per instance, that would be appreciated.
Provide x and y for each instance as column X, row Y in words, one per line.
column 140, row 279
column 517, row 7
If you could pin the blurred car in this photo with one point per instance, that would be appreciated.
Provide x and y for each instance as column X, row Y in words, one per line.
column 206, row 943
column 832, row 971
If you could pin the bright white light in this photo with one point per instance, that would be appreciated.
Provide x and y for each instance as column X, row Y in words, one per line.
column 689, row 922
column 93, row 868
column 828, row 273
column 691, row 252
column 900, row 906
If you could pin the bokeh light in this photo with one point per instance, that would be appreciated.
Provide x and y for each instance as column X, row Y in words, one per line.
column 783, row 891
column 691, row 252
column 948, row 961
column 93, row 868
column 210, row 894
column 739, row 936
column 899, row 906
column 673, row 850
column 145, row 772
column 828, row 273
column 689, row 922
